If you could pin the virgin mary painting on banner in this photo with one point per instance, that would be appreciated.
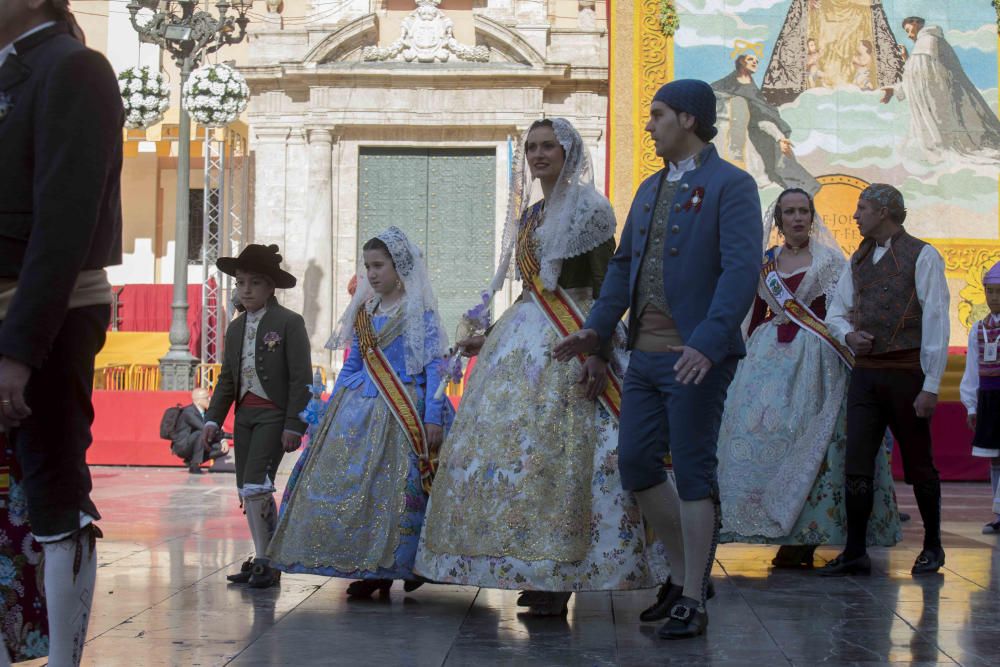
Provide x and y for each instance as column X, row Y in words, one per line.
column 831, row 43
column 831, row 95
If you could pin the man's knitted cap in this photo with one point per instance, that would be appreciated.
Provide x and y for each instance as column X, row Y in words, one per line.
column 694, row 97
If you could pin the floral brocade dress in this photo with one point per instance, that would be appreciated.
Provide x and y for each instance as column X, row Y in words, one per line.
column 355, row 505
column 783, row 440
column 527, row 494
column 23, row 619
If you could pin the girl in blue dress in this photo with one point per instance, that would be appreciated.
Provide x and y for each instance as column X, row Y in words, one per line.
column 356, row 503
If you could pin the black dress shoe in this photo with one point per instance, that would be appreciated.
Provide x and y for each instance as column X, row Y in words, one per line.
column 364, row 588
column 794, row 557
column 263, row 576
column 411, row 585
column 686, row 621
column 928, row 562
column 243, row 576
column 666, row 598
column 529, row 598
column 195, row 471
column 842, row 567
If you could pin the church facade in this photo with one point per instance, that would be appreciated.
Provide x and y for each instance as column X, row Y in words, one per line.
column 409, row 114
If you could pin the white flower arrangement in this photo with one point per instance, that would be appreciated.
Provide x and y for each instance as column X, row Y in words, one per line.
column 145, row 94
column 215, row 95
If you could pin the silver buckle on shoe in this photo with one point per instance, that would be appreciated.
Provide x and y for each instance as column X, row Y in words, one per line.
column 682, row 612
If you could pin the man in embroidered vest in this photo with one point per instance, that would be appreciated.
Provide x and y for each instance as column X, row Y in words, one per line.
column 61, row 119
column 266, row 372
column 891, row 308
column 686, row 271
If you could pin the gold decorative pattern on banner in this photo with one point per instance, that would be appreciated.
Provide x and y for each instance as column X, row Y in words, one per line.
column 964, row 255
column 969, row 262
column 653, row 54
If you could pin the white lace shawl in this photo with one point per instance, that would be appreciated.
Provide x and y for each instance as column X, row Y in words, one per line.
column 577, row 217
column 424, row 336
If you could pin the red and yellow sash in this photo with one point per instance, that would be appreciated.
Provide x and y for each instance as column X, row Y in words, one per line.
column 560, row 309
column 392, row 389
column 782, row 299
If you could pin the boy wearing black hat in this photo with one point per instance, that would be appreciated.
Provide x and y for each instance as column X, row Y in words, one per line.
column 686, row 271
column 266, row 372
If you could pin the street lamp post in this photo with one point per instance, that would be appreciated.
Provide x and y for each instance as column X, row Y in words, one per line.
column 188, row 34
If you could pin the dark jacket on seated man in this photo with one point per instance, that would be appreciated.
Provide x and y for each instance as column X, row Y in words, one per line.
column 186, row 440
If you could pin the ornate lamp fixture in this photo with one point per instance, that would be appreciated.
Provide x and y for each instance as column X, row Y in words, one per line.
column 188, row 33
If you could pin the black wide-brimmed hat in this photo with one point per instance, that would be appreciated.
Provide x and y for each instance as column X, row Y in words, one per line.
column 261, row 259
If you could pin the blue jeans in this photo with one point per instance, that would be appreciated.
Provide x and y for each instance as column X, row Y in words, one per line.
column 661, row 416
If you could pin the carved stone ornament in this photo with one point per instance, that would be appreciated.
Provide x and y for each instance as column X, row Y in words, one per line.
column 427, row 36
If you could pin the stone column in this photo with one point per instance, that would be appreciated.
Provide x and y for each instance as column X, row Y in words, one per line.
column 295, row 248
column 317, row 279
column 270, row 164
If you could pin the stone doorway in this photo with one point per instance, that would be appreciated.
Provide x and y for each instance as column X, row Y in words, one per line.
column 444, row 199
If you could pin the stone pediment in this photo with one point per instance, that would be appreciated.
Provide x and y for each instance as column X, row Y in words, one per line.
column 427, row 35
column 495, row 44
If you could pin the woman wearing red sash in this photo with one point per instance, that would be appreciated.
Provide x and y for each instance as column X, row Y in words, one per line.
column 356, row 503
column 782, row 440
column 528, row 496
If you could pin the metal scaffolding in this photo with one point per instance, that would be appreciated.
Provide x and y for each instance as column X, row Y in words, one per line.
column 226, row 201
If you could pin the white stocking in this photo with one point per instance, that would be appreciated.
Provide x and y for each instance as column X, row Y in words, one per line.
column 69, row 595
column 661, row 507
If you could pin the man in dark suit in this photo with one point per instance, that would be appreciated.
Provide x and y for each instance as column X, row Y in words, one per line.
column 61, row 118
column 686, row 271
column 187, row 441
column 266, row 372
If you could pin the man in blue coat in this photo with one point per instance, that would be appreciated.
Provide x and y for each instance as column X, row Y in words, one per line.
column 686, row 271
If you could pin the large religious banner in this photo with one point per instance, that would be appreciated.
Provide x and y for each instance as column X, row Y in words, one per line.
column 830, row 95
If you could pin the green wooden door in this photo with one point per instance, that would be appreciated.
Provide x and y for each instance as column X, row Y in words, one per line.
column 445, row 202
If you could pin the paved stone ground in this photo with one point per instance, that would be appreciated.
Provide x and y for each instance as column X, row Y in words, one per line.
column 162, row 599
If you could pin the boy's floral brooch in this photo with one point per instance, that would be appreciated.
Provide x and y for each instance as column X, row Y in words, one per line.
column 271, row 339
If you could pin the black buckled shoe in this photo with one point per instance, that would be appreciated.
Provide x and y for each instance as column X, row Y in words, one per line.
column 842, row 567
column 243, row 576
column 666, row 598
column 263, row 576
column 928, row 562
column 686, row 620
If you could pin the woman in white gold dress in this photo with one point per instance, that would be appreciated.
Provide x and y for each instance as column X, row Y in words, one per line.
column 783, row 437
column 527, row 495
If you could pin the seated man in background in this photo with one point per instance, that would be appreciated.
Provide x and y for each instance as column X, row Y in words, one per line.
column 186, row 442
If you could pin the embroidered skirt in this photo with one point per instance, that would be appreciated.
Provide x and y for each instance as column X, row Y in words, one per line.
column 528, row 495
